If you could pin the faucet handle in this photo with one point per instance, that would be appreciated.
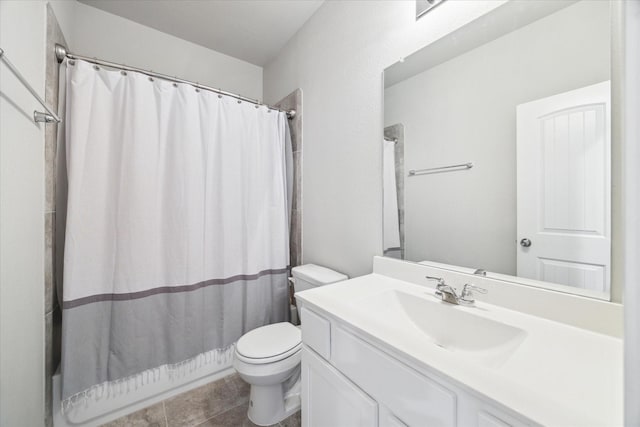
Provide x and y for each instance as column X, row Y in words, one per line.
column 467, row 294
column 470, row 286
column 440, row 280
column 441, row 285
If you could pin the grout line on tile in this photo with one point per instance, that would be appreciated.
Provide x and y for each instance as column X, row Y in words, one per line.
column 164, row 412
column 221, row 413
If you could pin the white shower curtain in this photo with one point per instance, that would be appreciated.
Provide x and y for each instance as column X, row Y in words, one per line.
column 177, row 238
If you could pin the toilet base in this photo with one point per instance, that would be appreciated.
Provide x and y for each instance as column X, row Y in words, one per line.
column 269, row 405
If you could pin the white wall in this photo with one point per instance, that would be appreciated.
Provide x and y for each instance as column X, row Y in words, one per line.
column 464, row 110
column 337, row 59
column 22, row 36
column 95, row 33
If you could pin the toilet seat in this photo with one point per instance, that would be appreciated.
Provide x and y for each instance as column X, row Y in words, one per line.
column 268, row 344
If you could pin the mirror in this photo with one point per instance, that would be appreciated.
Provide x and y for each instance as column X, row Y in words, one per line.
column 497, row 148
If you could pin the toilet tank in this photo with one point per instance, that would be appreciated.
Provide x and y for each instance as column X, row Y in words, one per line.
column 309, row 276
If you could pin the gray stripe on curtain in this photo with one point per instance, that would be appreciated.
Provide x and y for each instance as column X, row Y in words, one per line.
column 164, row 328
column 168, row 289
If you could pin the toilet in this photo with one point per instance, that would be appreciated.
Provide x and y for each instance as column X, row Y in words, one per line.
column 268, row 358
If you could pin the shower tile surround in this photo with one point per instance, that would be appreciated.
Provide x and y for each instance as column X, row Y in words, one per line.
column 294, row 101
column 221, row 403
column 52, row 312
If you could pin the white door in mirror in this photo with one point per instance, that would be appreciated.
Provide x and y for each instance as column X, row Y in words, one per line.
column 564, row 181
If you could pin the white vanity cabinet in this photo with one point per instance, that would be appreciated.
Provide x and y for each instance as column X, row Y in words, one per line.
column 347, row 380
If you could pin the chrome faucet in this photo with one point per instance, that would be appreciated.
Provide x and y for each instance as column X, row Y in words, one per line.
column 448, row 294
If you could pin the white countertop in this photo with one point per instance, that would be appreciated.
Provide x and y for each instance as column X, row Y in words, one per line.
column 560, row 375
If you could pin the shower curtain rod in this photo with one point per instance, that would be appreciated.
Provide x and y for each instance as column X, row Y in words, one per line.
column 62, row 53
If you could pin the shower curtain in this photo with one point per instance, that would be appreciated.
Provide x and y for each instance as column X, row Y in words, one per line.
column 177, row 238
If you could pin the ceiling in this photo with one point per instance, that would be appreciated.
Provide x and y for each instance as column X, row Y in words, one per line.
column 251, row 30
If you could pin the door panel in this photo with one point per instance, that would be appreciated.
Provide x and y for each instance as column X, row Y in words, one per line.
column 574, row 274
column 573, row 149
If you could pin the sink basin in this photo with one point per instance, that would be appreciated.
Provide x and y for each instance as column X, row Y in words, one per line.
column 448, row 326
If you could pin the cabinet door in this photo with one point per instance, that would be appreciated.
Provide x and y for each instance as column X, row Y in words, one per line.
column 388, row 419
column 475, row 412
column 417, row 400
column 331, row 400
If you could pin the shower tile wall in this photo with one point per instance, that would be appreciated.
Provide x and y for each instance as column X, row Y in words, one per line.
column 397, row 131
column 52, row 313
column 293, row 101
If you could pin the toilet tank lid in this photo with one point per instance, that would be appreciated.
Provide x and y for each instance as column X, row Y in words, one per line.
column 317, row 275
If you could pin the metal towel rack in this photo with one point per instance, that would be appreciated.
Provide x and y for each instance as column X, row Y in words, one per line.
column 452, row 168
column 38, row 116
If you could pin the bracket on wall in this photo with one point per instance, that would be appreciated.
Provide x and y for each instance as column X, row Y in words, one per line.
column 38, row 116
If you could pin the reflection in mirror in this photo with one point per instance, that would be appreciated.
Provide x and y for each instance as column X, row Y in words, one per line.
column 393, row 190
column 506, row 123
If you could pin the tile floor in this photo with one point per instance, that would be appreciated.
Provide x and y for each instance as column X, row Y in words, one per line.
column 222, row 403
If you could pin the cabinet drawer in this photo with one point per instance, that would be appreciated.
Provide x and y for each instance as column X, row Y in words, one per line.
column 316, row 332
column 409, row 395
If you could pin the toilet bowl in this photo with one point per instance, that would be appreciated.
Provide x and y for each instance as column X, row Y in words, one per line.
column 268, row 357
